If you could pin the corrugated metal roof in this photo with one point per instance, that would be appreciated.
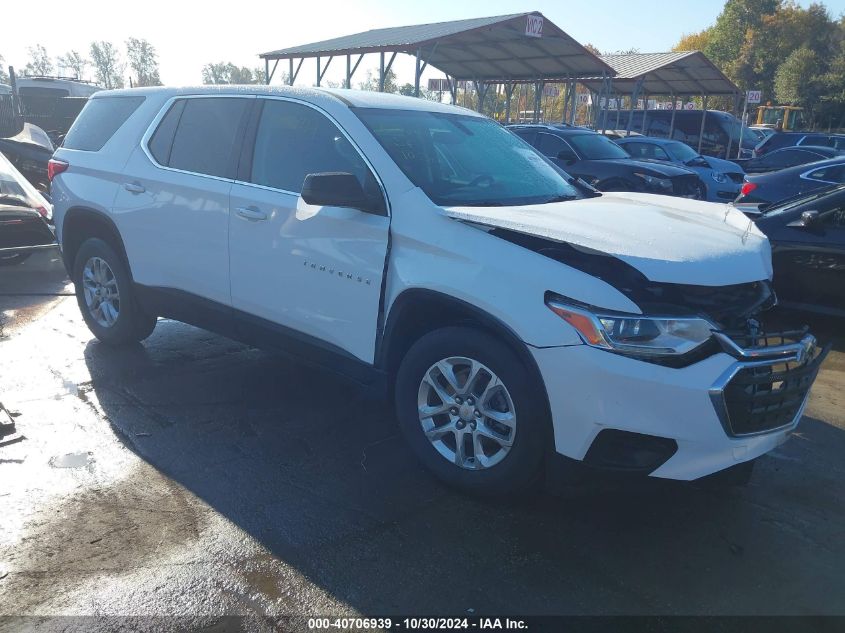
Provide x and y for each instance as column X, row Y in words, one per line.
column 484, row 49
column 638, row 64
column 679, row 73
column 396, row 36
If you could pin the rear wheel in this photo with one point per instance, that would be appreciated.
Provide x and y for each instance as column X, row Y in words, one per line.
column 105, row 295
column 469, row 411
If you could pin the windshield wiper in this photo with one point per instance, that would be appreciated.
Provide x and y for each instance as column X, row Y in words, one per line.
column 561, row 198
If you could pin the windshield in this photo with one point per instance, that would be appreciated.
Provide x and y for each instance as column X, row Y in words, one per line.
column 466, row 160
column 14, row 185
column 733, row 126
column 596, row 147
column 681, row 151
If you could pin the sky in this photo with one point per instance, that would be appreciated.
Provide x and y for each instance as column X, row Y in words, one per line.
column 187, row 34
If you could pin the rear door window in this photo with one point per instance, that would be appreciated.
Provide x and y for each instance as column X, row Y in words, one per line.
column 207, row 136
column 99, row 120
column 552, row 146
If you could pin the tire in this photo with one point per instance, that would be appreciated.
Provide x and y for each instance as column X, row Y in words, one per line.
column 124, row 322
column 14, row 259
column 499, row 470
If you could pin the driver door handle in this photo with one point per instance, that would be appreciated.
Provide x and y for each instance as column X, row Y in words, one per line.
column 251, row 213
column 134, row 187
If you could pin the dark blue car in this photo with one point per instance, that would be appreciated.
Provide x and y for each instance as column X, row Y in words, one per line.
column 808, row 250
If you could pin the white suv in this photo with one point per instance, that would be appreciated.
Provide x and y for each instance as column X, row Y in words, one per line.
column 513, row 312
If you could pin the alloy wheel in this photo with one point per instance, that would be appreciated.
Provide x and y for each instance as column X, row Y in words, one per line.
column 102, row 296
column 467, row 413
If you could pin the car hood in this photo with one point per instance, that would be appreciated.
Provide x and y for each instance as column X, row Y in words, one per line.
column 657, row 167
column 723, row 166
column 668, row 239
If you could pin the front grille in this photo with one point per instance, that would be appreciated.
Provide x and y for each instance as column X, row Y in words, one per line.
column 686, row 186
column 766, row 394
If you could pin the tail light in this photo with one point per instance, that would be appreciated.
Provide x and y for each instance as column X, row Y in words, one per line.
column 747, row 187
column 56, row 167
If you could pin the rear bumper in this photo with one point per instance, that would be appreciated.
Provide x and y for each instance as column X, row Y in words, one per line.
column 591, row 391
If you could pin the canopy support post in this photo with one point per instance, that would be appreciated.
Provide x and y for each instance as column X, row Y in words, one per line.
column 703, row 119
column 574, row 106
column 672, row 120
column 645, row 113
column 294, row 74
column 730, row 134
column 508, row 96
column 634, row 95
column 267, row 70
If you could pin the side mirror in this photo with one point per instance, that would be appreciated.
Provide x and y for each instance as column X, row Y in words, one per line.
column 339, row 189
column 808, row 218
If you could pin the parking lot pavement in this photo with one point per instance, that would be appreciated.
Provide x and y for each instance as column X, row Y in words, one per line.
column 195, row 476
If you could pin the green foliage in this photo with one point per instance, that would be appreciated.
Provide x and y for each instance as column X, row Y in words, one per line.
column 40, row 62
column 4, row 76
column 371, row 82
column 143, row 60
column 793, row 54
column 796, row 81
column 107, row 64
column 74, row 64
column 228, row 73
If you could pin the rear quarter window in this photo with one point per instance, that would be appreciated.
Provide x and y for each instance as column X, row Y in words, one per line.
column 207, row 135
column 98, row 121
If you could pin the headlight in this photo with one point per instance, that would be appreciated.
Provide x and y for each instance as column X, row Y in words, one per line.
column 715, row 175
column 655, row 182
column 636, row 335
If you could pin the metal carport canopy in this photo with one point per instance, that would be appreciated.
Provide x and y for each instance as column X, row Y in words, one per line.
column 492, row 49
column 680, row 73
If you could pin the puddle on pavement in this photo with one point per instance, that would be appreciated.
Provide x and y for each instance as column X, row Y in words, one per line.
column 73, row 460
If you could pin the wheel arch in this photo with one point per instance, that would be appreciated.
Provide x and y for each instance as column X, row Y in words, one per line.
column 82, row 223
column 418, row 311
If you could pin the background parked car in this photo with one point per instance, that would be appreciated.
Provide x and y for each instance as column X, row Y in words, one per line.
column 788, row 157
column 791, row 139
column 808, row 250
column 762, row 131
column 606, row 166
column 722, row 178
column 770, row 188
column 615, row 135
column 721, row 129
column 25, row 216
column 29, row 151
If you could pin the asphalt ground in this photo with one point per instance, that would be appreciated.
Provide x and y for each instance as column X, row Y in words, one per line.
column 195, row 477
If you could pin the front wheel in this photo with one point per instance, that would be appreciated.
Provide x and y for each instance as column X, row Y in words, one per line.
column 105, row 295
column 470, row 412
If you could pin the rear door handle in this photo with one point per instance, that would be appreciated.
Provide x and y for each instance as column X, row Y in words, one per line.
column 251, row 213
column 134, row 187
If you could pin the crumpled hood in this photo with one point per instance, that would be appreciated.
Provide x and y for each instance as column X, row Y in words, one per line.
column 724, row 166
column 668, row 239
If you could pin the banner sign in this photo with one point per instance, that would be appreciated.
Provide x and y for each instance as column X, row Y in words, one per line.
column 534, row 26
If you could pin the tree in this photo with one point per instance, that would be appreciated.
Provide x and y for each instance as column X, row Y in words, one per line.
column 73, row 62
column 4, row 77
column 693, row 41
column 40, row 62
column 797, row 79
column 371, row 82
column 107, row 64
column 143, row 60
column 728, row 34
column 228, row 73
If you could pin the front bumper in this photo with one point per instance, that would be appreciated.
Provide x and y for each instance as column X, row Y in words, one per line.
column 591, row 390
